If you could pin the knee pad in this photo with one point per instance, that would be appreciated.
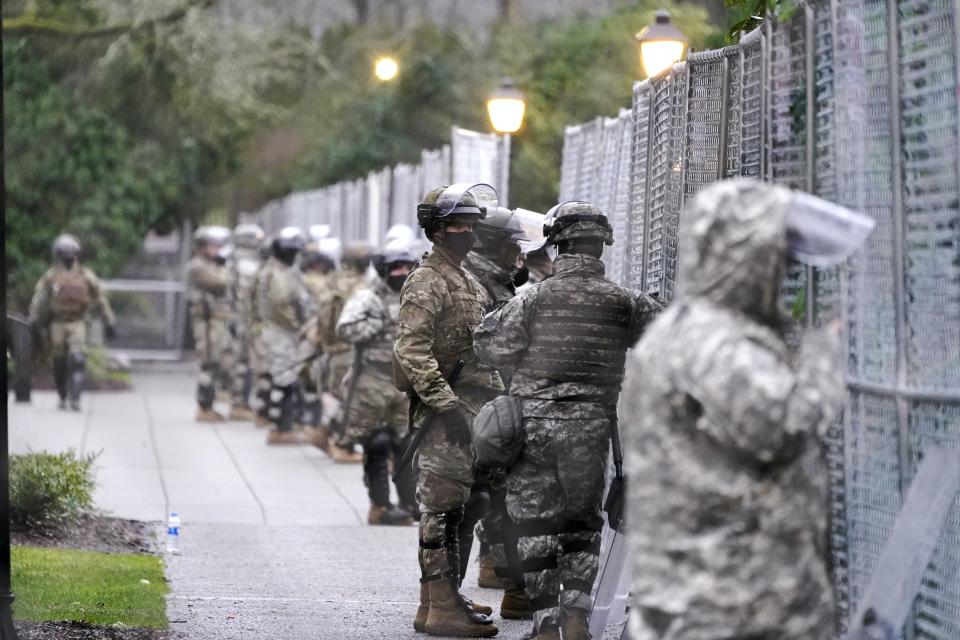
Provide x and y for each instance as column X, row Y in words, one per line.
column 379, row 444
column 477, row 504
column 78, row 359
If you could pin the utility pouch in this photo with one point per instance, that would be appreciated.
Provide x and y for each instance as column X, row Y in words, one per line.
column 498, row 432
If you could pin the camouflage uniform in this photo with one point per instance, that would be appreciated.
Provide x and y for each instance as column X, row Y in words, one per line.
column 210, row 313
column 330, row 301
column 728, row 498
column 441, row 304
column 375, row 412
column 566, row 339
column 496, row 281
column 243, row 266
column 259, row 362
column 60, row 303
column 314, row 374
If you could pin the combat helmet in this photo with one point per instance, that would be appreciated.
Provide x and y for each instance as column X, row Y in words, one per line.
column 248, row 235
column 576, row 219
column 290, row 239
column 213, row 234
column 498, row 227
column 461, row 202
column 323, row 252
column 66, row 247
column 357, row 256
column 395, row 252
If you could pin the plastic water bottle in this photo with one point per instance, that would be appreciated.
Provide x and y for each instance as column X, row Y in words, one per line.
column 173, row 534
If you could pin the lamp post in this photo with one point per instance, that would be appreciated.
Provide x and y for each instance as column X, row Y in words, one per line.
column 386, row 68
column 661, row 45
column 506, row 107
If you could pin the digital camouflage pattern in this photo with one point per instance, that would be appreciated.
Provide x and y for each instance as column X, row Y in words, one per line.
column 243, row 266
column 440, row 306
column 286, row 308
column 330, row 300
column 565, row 338
column 369, row 323
column 496, row 281
column 210, row 314
column 728, row 498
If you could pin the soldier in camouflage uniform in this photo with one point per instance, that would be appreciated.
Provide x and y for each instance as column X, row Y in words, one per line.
column 440, row 305
column 209, row 305
column 375, row 413
column 259, row 364
column 728, row 498
column 319, row 262
column 494, row 262
column 344, row 283
column 243, row 265
column 566, row 340
column 285, row 306
column 61, row 299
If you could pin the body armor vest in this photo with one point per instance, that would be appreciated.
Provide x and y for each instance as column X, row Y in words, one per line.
column 70, row 295
column 580, row 331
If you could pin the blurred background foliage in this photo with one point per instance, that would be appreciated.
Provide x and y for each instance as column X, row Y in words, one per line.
column 124, row 116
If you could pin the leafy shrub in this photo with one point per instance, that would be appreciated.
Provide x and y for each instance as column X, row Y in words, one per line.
column 50, row 490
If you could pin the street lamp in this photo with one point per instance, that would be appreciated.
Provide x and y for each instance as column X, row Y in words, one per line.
column 506, row 107
column 661, row 45
column 385, row 68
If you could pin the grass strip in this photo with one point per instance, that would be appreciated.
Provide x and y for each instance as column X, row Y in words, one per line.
column 88, row 586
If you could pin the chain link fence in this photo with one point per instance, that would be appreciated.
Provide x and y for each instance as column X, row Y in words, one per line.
column 856, row 101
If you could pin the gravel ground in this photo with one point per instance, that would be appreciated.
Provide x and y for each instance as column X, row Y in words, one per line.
column 83, row 631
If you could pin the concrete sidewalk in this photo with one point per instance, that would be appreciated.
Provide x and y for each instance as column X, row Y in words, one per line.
column 274, row 540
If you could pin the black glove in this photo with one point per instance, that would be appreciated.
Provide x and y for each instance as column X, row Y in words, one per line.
column 458, row 430
column 110, row 331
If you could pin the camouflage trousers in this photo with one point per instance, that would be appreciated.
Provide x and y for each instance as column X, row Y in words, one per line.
column 375, row 405
column 286, row 354
column 446, row 476
column 554, row 499
column 491, row 530
column 68, row 346
column 212, row 340
column 239, row 366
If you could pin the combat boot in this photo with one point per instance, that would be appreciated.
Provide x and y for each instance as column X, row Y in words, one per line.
column 448, row 615
column 389, row 515
column 420, row 621
column 241, row 413
column 284, row 437
column 262, row 422
column 516, row 605
column 575, row 626
column 342, row 456
column 209, row 415
column 488, row 578
column 545, row 633
column 320, row 438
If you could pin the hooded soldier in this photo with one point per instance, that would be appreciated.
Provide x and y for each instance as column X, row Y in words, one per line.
column 61, row 300
column 208, row 283
column 375, row 412
column 565, row 339
column 728, row 485
column 284, row 305
column 243, row 264
column 440, row 306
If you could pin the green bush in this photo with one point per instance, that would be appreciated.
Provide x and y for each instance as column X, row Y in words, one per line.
column 50, row 490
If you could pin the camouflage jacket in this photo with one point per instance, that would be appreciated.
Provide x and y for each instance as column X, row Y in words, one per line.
column 440, row 306
column 282, row 298
column 369, row 322
column 723, row 426
column 330, row 301
column 567, row 336
column 497, row 282
column 207, row 288
column 43, row 309
column 244, row 265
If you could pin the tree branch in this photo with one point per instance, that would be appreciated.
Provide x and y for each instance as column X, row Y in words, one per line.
column 31, row 24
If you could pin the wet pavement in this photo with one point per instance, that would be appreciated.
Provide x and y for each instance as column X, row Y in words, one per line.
column 274, row 541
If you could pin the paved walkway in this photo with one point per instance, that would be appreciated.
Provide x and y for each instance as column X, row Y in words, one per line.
column 275, row 544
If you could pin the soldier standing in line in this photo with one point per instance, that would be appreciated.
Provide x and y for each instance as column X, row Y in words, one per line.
column 61, row 299
column 440, row 306
column 728, row 500
column 259, row 363
column 565, row 340
column 243, row 265
column 375, row 413
column 285, row 306
column 350, row 277
column 495, row 262
column 318, row 261
column 207, row 286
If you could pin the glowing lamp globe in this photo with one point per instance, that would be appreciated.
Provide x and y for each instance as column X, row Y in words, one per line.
column 506, row 107
column 661, row 45
column 385, row 68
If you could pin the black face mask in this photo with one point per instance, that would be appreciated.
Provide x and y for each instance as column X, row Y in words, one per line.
column 520, row 276
column 396, row 282
column 461, row 243
column 68, row 262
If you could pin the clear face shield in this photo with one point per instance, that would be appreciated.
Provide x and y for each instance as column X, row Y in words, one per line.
column 530, row 229
column 319, row 231
column 331, row 248
column 451, row 202
column 821, row 233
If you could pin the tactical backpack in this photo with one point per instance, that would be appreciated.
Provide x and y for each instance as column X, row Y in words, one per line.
column 70, row 295
column 498, row 432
